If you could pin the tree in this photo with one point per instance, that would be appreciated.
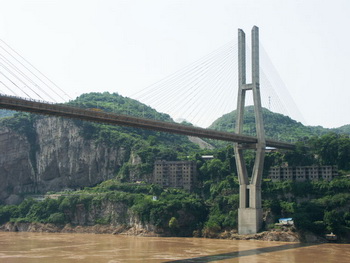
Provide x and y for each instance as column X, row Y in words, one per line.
column 332, row 149
column 173, row 223
column 302, row 155
column 344, row 153
column 333, row 220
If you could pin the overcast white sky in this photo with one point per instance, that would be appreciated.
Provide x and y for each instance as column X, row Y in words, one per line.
column 124, row 46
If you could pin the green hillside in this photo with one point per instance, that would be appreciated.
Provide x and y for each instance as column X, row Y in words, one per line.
column 277, row 126
column 116, row 103
column 343, row 129
column 6, row 113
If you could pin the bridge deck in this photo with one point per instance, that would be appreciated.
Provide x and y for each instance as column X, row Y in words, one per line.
column 19, row 104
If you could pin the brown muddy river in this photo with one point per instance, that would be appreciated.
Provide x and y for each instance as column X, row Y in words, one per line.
column 39, row 248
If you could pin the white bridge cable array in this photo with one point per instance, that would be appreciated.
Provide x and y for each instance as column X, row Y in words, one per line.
column 200, row 85
column 207, row 89
column 20, row 78
column 287, row 105
column 198, row 93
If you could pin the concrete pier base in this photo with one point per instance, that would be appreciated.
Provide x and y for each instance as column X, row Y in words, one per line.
column 249, row 220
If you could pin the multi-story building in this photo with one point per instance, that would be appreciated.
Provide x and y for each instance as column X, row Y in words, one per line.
column 303, row 173
column 177, row 174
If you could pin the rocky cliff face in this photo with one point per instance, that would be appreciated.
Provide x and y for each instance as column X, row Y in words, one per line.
column 57, row 157
column 16, row 171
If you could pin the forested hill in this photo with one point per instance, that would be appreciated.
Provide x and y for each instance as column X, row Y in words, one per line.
column 115, row 103
column 343, row 129
column 45, row 153
column 277, row 126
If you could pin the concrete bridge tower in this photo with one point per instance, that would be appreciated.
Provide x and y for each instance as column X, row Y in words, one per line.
column 250, row 211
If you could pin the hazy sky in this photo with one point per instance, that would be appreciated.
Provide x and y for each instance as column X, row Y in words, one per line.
column 124, row 46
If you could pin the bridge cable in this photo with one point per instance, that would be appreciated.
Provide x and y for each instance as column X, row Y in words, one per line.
column 196, row 85
column 14, row 84
column 14, row 75
column 222, row 94
column 179, row 80
column 25, row 76
column 192, row 65
column 216, row 87
column 8, row 88
column 213, row 64
column 217, row 84
column 34, row 69
column 279, row 84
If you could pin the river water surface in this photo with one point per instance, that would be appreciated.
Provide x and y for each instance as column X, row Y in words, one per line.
column 91, row 248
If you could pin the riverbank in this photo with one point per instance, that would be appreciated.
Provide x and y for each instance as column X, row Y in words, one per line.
column 283, row 235
column 68, row 228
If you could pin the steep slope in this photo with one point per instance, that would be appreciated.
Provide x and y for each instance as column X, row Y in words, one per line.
column 40, row 154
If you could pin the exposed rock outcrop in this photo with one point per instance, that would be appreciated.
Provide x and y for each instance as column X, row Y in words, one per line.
column 16, row 171
column 57, row 157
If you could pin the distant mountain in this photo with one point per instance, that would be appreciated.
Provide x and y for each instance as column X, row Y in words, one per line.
column 277, row 126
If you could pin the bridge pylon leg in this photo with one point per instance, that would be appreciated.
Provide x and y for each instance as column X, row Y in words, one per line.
column 250, row 211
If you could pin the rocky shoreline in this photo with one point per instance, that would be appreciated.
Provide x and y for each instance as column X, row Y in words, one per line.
column 282, row 235
column 285, row 236
column 68, row 228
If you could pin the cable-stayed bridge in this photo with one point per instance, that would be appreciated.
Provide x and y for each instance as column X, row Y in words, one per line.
column 17, row 78
column 198, row 93
column 20, row 104
column 25, row 88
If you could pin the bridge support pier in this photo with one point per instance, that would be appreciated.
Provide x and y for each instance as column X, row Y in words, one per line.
column 250, row 211
column 249, row 215
column 249, row 220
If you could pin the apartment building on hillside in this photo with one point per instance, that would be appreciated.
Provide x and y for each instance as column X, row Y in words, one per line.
column 303, row 173
column 177, row 174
